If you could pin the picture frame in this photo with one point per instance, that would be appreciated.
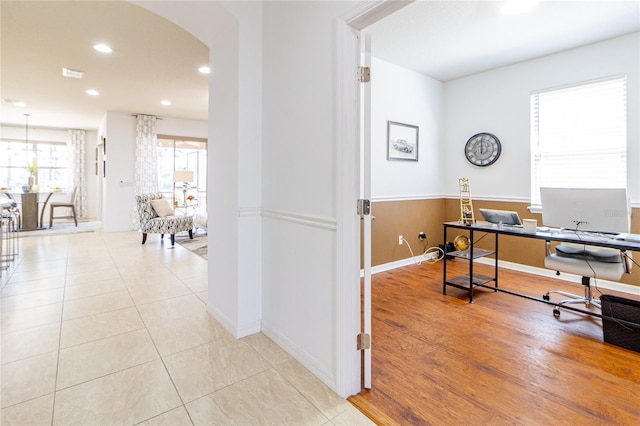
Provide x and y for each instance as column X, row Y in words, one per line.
column 402, row 141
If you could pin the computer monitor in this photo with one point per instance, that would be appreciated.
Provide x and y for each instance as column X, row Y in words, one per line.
column 586, row 209
column 503, row 217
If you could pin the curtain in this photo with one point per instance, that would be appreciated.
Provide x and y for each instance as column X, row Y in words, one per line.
column 146, row 168
column 77, row 168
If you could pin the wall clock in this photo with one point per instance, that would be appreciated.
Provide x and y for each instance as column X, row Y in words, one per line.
column 483, row 149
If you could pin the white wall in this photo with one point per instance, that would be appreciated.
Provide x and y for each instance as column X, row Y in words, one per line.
column 405, row 96
column 497, row 101
column 299, row 181
column 120, row 133
column 232, row 31
column 118, row 197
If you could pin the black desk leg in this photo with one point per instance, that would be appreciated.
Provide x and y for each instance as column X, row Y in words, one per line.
column 471, row 265
column 444, row 260
column 495, row 271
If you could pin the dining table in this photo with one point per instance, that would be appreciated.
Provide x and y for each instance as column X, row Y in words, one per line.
column 32, row 207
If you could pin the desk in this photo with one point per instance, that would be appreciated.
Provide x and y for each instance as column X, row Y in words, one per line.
column 472, row 280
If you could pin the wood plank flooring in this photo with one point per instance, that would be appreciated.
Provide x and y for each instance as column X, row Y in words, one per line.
column 502, row 360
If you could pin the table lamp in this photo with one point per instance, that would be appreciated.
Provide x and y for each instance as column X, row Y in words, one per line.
column 185, row 177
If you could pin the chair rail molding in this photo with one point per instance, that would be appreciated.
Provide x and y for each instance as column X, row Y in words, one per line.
column 309, row 220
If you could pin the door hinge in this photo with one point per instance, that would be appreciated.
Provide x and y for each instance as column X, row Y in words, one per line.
column 364, row 74
column 364, row 207
column 364, row 341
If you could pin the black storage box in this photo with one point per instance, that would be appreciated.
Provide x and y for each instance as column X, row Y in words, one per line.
column 621, row 321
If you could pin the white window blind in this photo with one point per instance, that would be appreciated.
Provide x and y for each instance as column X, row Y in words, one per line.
column 579, row 136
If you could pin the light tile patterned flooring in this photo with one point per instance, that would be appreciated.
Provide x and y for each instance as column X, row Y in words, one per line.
column 98, row 329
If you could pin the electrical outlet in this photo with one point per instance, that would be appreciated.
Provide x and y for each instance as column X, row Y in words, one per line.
column 422, row 236
column 400, row 240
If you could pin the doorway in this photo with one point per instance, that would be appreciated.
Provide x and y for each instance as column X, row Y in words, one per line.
column 350, row 122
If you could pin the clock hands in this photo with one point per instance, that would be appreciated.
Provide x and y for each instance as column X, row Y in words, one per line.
column 483, row 149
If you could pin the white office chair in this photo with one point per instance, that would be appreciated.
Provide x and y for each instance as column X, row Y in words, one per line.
column 587, row 262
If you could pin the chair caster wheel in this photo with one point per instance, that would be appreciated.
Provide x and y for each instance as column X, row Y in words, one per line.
column 556, row 312
column 545, row 297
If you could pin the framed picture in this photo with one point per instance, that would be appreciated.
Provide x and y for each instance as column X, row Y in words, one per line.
column 402, row 141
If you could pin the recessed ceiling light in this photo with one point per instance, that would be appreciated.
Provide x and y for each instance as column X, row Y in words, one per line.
column 165, row 102
column 517, row 7
column 102, row 48
column 92, row 92
column 204, row 69
column 68, row 72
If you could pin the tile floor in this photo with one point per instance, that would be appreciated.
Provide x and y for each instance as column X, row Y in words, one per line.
column 98, row 329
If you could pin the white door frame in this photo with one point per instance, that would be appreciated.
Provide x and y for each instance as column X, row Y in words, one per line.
column 348, row 362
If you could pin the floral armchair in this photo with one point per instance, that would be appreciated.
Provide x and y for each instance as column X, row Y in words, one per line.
column 157, row 217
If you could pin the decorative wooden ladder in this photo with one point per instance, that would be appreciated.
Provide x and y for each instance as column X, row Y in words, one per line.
column 466, row 206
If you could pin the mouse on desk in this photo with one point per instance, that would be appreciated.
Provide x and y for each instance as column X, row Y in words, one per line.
column 543, row 228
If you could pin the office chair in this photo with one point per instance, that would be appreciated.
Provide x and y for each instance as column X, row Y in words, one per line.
column 587, row 262
column 70, row 204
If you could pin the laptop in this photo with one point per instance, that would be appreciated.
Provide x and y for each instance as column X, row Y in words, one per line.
column 502, row 217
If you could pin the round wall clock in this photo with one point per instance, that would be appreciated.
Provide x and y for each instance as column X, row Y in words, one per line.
column 483, row 149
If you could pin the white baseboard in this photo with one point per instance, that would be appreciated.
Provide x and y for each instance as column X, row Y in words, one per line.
column 610, row 285
column 393, row 265
column 236, row 331
column 300, row 355
column 225, row 322
column 245, row 330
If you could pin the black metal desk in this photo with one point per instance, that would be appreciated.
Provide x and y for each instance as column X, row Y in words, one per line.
column 473, row 280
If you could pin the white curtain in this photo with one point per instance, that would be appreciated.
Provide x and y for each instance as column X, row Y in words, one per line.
column 146, row 163
column 77, row 176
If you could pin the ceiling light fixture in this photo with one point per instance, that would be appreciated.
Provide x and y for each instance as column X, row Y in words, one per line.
column 204, row 69
column 102, row 48
column 68, row 72
column 92, row 92
column 165, row 102
column 517, row 7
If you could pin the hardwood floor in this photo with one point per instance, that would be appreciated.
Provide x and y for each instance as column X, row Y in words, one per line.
column 502, row 360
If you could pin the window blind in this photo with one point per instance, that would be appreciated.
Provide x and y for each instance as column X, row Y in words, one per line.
column 579, row 136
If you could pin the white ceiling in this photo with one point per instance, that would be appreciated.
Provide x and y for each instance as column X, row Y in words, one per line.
column 153, row 59
column 446, row 40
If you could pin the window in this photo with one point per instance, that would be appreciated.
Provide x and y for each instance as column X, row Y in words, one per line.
column 190, row 154
column 16, row 156
column 579, row 136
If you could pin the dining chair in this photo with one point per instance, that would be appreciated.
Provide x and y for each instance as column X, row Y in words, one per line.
column 70, row 204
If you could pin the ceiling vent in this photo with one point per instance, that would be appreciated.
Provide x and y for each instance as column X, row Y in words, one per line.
column 68, row 72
